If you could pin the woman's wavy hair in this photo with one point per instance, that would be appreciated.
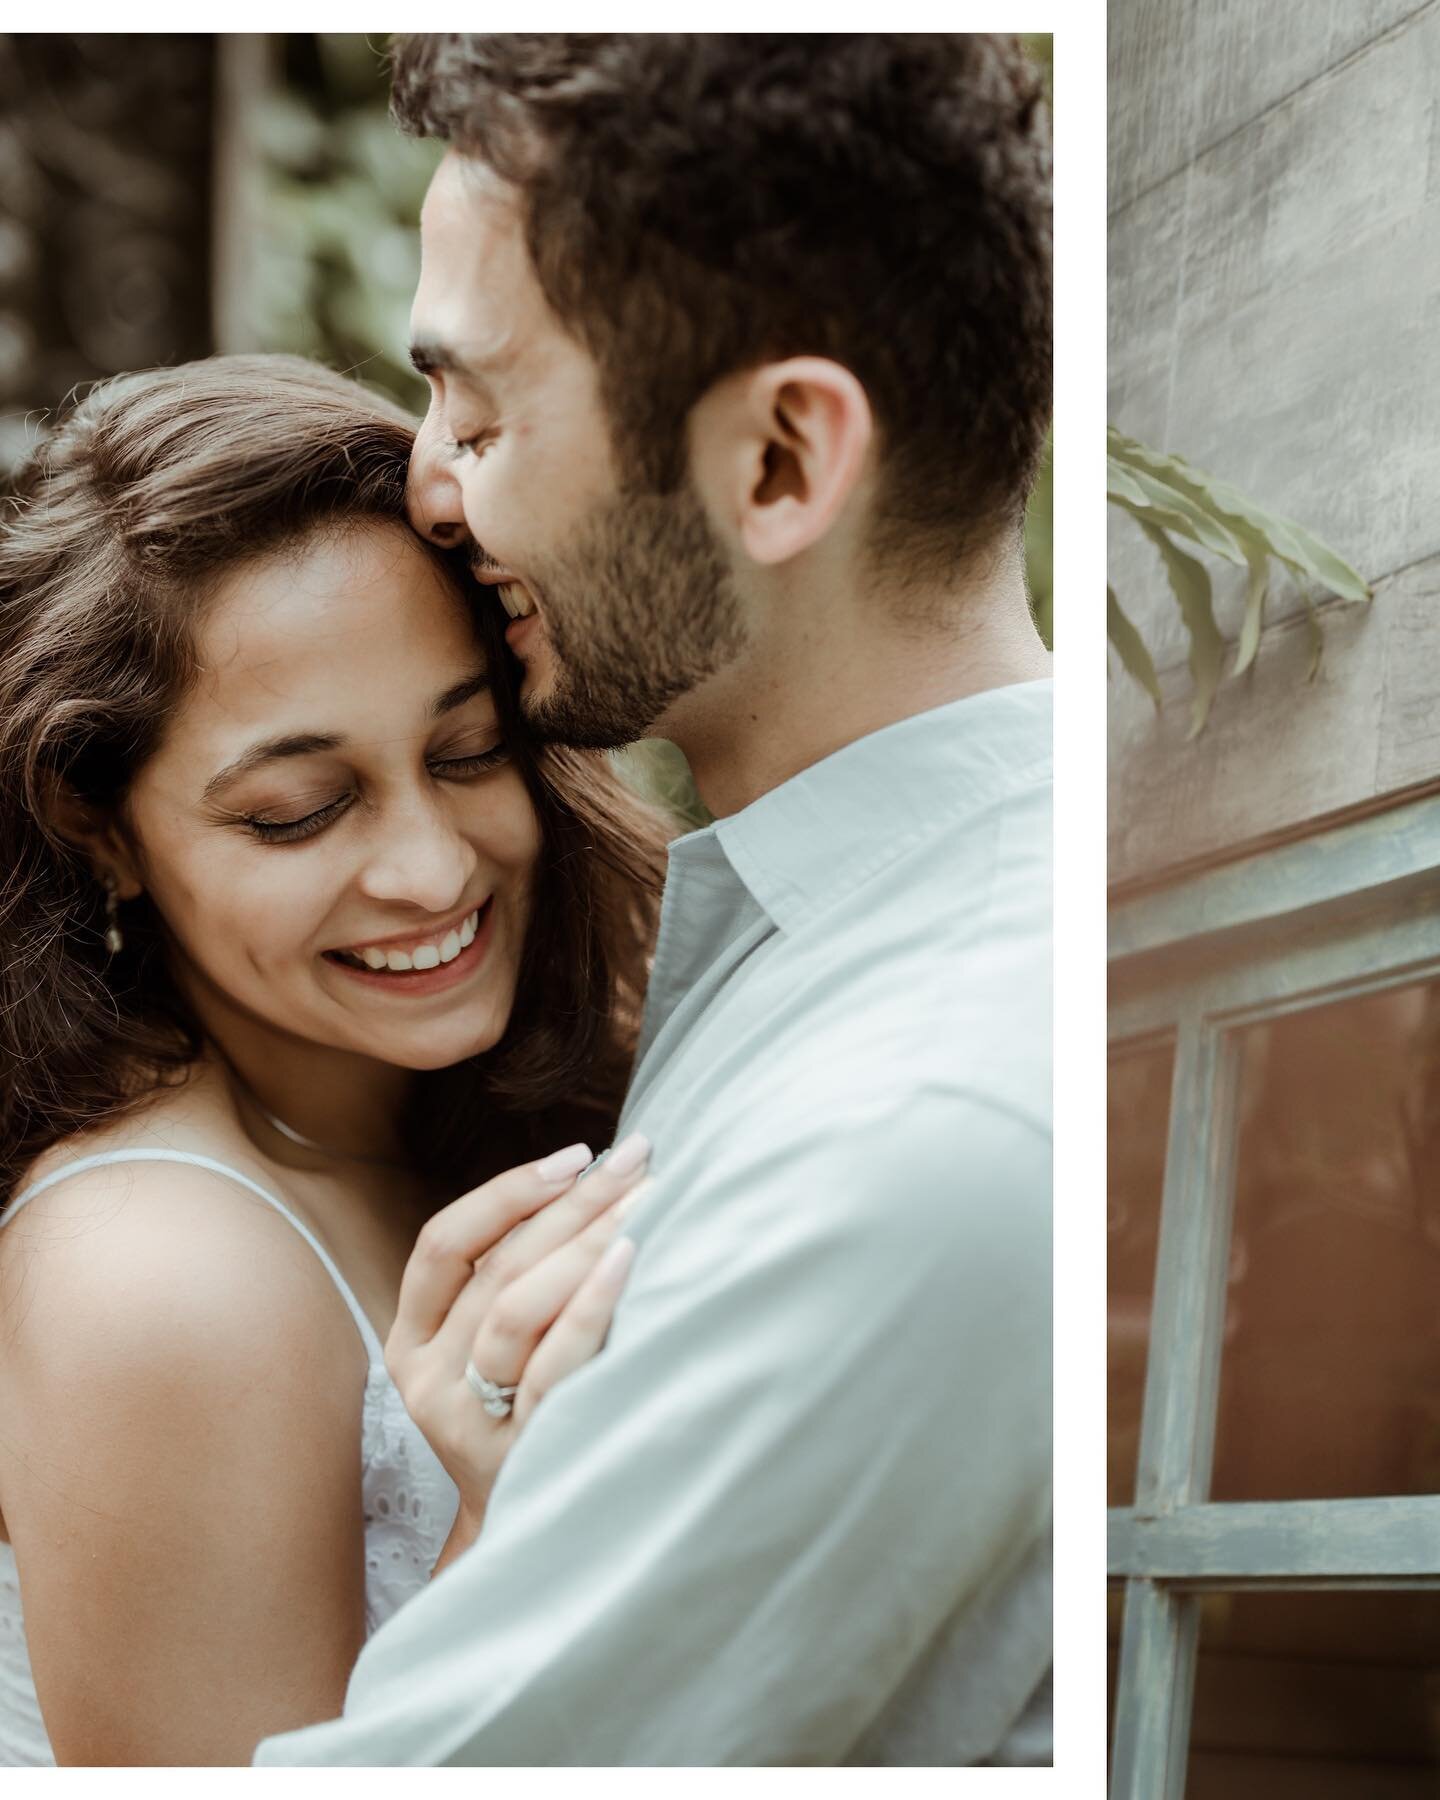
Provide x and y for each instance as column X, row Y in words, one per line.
column 123, row 519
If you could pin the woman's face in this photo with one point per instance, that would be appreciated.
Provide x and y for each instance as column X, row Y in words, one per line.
column 332, row 829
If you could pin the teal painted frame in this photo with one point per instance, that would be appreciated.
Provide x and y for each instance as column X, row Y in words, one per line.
column 1348, row 911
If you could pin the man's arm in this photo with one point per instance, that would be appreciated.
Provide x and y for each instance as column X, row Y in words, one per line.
column 820, row 1428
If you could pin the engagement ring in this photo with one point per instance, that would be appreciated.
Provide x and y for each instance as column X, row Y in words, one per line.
column 496, row 1400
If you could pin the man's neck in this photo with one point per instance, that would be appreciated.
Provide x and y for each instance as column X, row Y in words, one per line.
column 846, row 672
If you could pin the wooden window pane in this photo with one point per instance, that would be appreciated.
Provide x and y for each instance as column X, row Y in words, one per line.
column 1139, row 1109
column 1317, row 1696
column 1330, row 1371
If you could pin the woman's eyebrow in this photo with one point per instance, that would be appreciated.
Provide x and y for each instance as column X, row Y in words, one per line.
column 459, row 694
column 309, row 743
column 297, row 744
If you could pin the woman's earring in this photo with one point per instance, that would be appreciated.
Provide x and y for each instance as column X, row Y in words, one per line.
column 114, row 937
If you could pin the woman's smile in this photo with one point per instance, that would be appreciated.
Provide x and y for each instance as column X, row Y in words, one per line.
column 418, row 966
column 335, row 813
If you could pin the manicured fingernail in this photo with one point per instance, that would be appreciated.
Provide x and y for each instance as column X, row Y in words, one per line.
column 614, row 1266
column 629, row 1154
column 562, row 1164
column 624, row 1206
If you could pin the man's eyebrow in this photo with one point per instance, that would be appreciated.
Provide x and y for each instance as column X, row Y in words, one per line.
column 430, row 357
column 433, row 358
column 309, row 743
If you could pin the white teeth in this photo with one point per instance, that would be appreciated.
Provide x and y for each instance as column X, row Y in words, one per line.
column 516, row 600
column 418, row 956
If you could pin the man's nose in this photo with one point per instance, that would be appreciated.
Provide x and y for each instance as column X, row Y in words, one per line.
column 432, row 493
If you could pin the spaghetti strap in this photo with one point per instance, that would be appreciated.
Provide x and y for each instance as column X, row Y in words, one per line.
column 367, row 1331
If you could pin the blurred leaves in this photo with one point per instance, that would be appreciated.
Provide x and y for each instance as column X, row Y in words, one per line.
column 337, row 264
column 1041, row 47
column 1039, row 549
column 658, row 772
column 1170, row 498
column 1039, row 536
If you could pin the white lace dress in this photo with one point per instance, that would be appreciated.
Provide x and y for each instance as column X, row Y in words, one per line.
column 409, row 1501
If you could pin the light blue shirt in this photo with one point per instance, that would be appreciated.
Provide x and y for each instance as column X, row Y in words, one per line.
column 797, row 1511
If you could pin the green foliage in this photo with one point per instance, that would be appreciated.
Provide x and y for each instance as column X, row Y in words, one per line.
column 1131, row 646
column 1040, row 46
column 1169, row 498
column 1039, row 550
column 337, row 265
column 1039, row 535
column 659, row 773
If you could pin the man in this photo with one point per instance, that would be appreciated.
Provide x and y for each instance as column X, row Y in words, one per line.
column 739, row 354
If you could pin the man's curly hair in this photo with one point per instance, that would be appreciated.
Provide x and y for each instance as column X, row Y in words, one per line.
column 697, row 205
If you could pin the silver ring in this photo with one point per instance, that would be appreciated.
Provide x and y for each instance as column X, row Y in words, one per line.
column 496, row 1400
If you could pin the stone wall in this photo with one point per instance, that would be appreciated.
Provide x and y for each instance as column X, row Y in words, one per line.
column 1275, row 318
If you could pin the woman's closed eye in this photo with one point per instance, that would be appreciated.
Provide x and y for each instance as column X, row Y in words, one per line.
column 290, row 831
column 272, row 830
column 477, row 762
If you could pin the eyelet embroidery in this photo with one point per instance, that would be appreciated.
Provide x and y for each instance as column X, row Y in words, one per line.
column 409, row 1502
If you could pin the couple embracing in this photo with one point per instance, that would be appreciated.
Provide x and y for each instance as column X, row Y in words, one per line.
column 322, row 903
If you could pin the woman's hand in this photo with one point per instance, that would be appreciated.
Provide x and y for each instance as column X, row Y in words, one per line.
column 519, row 1280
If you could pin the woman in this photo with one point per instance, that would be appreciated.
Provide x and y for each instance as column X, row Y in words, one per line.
column 298, row 939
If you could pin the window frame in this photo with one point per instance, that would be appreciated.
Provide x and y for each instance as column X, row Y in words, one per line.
column 1347, row 911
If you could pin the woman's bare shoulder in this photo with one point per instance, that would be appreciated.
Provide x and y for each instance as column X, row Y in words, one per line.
column 189, row 1114
column 148, row 1259
column 181, row 1394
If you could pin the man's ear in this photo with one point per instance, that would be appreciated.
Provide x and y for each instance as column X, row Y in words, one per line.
column 95, row 833
column 787, row 445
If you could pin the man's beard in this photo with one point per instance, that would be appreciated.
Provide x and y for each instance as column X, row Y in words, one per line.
column 639, row 608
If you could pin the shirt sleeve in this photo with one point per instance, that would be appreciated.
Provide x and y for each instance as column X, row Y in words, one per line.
column 820, row 1426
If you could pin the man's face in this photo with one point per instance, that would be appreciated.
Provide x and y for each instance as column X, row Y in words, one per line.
column 623, row 602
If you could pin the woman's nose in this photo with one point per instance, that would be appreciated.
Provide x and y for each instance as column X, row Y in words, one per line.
column 432, row 494
column 420, row 858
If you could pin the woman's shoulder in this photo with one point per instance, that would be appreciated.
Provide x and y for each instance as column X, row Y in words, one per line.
column 181, row 1152
column 182, row 1115
column 140, row 1258
column 181, row 1418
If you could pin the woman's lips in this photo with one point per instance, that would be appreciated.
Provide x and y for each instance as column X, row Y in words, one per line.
column 417, row 982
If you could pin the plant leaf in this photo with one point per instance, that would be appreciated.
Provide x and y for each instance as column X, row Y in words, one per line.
column 1254, row 607
column 1123, row 490
column 1190, row 584
column 1147, row 497
column 1131, row 647
column 1317, row 639
column 1299, row 549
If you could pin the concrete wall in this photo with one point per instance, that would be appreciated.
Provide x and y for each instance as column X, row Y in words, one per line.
column 1275, row 317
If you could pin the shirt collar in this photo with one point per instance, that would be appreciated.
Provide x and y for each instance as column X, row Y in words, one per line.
column 839, row 822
